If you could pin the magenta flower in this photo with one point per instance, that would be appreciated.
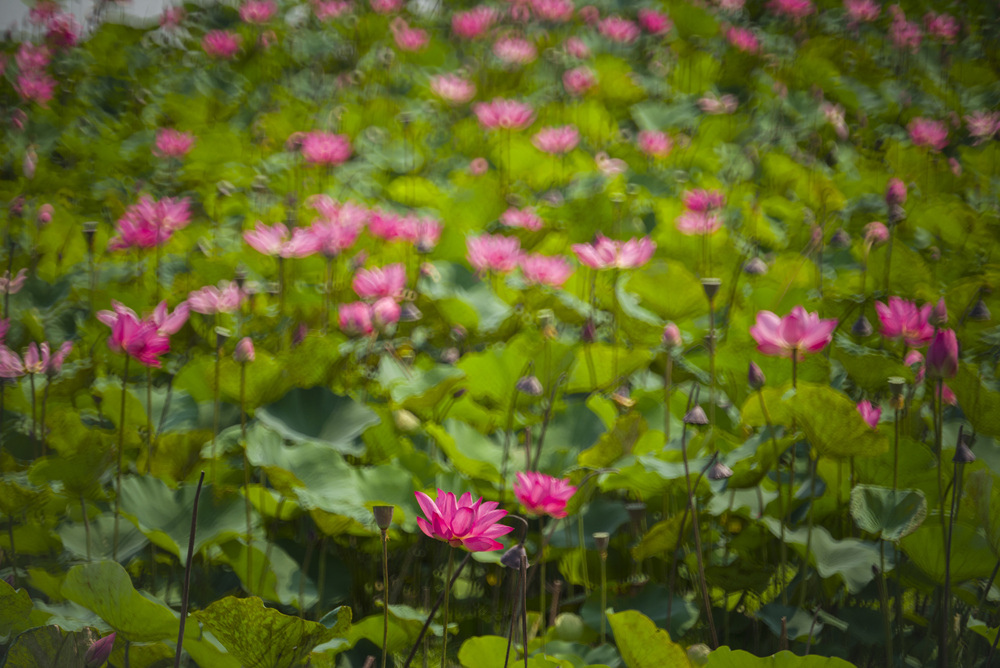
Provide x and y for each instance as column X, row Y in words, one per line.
column 407, row 38
column 172, row 143
column 875, row 233
column 794, row 9
column 11, row 365
column 39, row 359
column 698, row 223
column 325, row 148
column 558, row 11
column 515, row 50
column 743, row 39
column 578, row 81
column 172, row 16
column 355, row 319
column 258, row 11
column 545, row 270
column 149, row 223
column 901, row 319
column 715, row 105
column 654, row 143
column 99, row 652
column 915, row 360
column 62, row 30
column 861, row 11
column 386, row 312
column 36, row 87
column 654, row 22
column 794, row 335
column 221, row 44
column 331, row 238
column 138, row 339
column 211, row 299
column 556, row 140
column 618, row 29
column 167, row 323
column 474, row 22
column 462, row 522
column 244, row 351
column 453, row 89
column 606, row 253
column 943, row 27
column 501, row 113
column 927, row 132
column 942, row 355
column 905, row 35
column 275, row 240
column 895, row 192
column 702, row 200
column 379, row 282
column 870, row 413
column 330, row 9
column 542, row 494
column 32, row 58
column 493, row 252
column 524, row 218
column 11, row 286
column 577, row 48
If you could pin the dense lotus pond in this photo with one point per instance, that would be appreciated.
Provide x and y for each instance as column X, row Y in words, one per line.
column 644, row 334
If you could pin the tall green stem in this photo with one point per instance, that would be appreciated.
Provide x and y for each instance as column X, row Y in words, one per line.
column 216, row 406
column 149, row 419
column 246, row 476
column 385, row 593
column 447, row 595
column 781, row 502
column 121, row 449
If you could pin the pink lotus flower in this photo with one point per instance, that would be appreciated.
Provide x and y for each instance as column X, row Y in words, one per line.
column 493, row 252
column 577, row 48
column 834, row 114
column 407, row 38
column 698, row 223
column 139, row 339
column 62, row 30
column 542, row 494
column 702, row 200
column 743, row 39
column 385, row 313
column 99, row 652
column 379, row 282
column 330, row 9
column 731, row 6
column 983, row 125
column 32, row 58
column 875, row 233
column 578, row 80
column 36, row 87
column 386, row 6
column 915, row 360
column 654, row 143
column 275, row 240
column 167, row 323
column 943, row 27
column 870, row 413
column 355, row 319
column 901, row 319
column 557, row 11
column 794, row 9
column 905, row 35
column 453, row 89
column 654, row 22
column 325, row 148
column 716, row 105
column 895, row 192
column 149, row 223
column 618, row 29
column 474, row 22
column 258, row 11
column 211, row 299
column 796, row 334
column 606, row 253
column 501, row 113
column 590, row 15
column 244, row 351
column 942, row 355
column 462, row 522
column 45, row 212
column 862, row 11
column 478, row 166
column 11, row 365
column 172, row 16
column 11, row 286
column 515, row 50
column 545, row 270
column 524, row 218
column 221, row 44
column 556, row 140
column 927, row 132
column 42, row 12
column 608, row 166
column 172, row 143
column 348, row 214
column 43, row 361
column 331, row 238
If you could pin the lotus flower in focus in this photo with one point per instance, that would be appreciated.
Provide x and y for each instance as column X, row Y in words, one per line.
column 462, row 522
column 794, row 335
column 542, row 494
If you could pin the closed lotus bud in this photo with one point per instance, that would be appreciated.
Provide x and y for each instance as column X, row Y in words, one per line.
column 840, row 239
column 589, row 332
column 529, row 385
column 98, row 653
column 513, row 557
column 942, row 355
column 696, row 416
column 980, row 312
column 755, row 267
column 601, row 540
column 383, row 516
column 244, row 351
column 405, row 420
column 963, row 451
column 45, row 212
column 755, row 376
column 939, row 314
column 672, row 336
column 861, row 327
column 895, row 193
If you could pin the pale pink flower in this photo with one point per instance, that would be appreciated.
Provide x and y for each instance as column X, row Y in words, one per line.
column 258, row 11
column 221, row 44
column 11, row 365
column 32, row 58
column 331, row 238
column 407, row 38
column 928, row 132
column 42, row 11
column 379, row 282
column 493, row 252
column 654, row 22
column 901, row 319
column 501, row 113
column 462, row 522
column 330, row 9
column 731, row 6
column 542, row 494
column 955, row 166
column 139, row 339
column 166, row 323
column 875, row 233
column 149, row 223
column 45, row 212
column 386, row 6
column 870, row 413
column 590, row 15
column 386, row 312
column 983, row 125
column 210, row 300
column 619, row 29
column 525, row 218
column 325, row 148
column 834, row 114
column 478, row 166
column 794, row 9
column 349, row 214
column 36, row 87
column 515, row 50
column 557, row 11
column 577, row 48
column 796, row 334
column 171, row 143
column 862, row 11
column 606, row 253
column 474, row 22
column 943, row 27
column 698, row 223
column 715, row 105
column 355, row 319
column 11, row 286
column 62, row 30
column 30, row 162
column 453, row 89
column 275, row 240
column 654, row 143
column 578, row 80
column 172, row 16
column 608, row 166
column 702, row 200
column 545, row 270
column 556, row 140
column 743, row 39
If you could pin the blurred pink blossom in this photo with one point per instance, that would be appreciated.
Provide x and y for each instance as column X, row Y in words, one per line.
column 501, row 113
column 474, row 22
column 385, row 312
column 875, row 233
column 149, row 223
column 928, row 132
column 172, row 16
column 32, row 58
column 11, row 286
column 275, row 240
column 545, row 270
column 478, row 166
column 258, row 11
column 698, row 223
column 654, row 22
column 943, row 27
column 905, row 35
column 515, row 50
column 743, row 39
column 378, row 282
column 895, row 192
column 902, row 319
column 524, row 218
column 871, row 413
column 325, row 148
column 578, row 80
column 606, row 253
column 221, row 44
column 62, row 30
column 654, row 143
column 244, row 351
column 796, row 334
column 619, row 29
column 386, row 6
column 703, row 200
column 713, row 104
column 542, row 494
column 793, row 9
column 452, row 88
column 862, row 11
column 355, row 319
column 171, row 143
column 493, row 253
column 210, row 299
column 36, row 87
column 407, row 38
column 45, row 212
column 557, row 11
column 590, row 15
column 576, row 48
column 330, row 9
column 608, row 166
column 556, row 140
column 983, row 125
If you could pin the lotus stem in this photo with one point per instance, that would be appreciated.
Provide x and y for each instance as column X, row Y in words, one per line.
column 433, row 611
column 185, row 592
column 34, row 436
column 149, row 419
column 216, row 405
column 444, row 614
column 86, row 522
column 246, row 477
column 118, row 477
column 385, row 593
column 781, row 502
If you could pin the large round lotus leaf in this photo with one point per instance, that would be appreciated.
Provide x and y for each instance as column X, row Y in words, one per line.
column 891, row 513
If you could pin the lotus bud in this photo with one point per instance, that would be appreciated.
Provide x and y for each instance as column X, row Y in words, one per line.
column 939, row 314
column 383, row 516
column 895, row 193
column 529, row 385
column 942, row 355
column 963, row 450
column 672, row 336
column 244, row 351
column 98, row 653
column 755, row 377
